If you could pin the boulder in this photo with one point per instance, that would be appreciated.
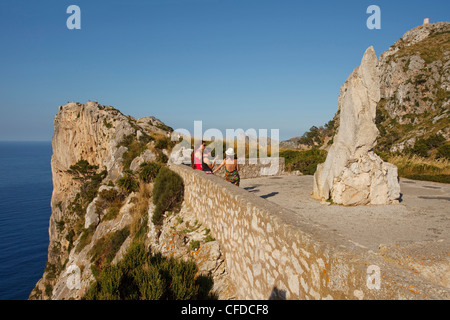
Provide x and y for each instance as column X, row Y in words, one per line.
column 180, row 155
column 146, row 156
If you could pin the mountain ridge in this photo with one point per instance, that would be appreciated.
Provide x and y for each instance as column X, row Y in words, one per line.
column 415, row 94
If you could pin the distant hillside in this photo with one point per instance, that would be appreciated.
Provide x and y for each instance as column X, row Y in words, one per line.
column 413, row 113
column 415, row 92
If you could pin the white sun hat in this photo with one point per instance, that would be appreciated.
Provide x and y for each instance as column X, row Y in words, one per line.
column 230, row 152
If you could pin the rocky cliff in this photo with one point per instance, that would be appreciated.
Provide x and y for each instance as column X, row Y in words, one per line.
column 415, row 88
column 414, row 93
column 100, row 205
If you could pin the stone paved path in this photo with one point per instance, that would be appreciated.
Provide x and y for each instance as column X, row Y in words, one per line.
column 422, row 215
column 413, row 235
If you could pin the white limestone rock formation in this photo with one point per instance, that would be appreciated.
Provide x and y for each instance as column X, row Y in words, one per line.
column 352, row 173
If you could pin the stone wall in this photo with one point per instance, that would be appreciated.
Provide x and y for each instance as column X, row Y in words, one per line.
column 273, row 254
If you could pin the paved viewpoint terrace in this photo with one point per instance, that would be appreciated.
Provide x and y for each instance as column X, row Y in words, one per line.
column 413, row 234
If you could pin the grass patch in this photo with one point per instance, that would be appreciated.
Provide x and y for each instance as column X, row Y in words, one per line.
column 139, row 212
column 419, row 168
column 85, row 238
column 106, row 248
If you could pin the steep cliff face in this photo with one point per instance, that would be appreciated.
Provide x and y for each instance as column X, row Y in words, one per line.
column 415, row 87
column 99, row 204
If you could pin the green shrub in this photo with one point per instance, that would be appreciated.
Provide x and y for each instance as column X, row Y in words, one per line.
column 162, row 158
column 110, row 200
column 444, row 152
column 162, row 143
column 420, row 148
column 149, row 171
column 164, row 127
column 60, row 225
column 134, row 148
column 304, row 161
column 423, row 146
column 110, row 195
column 48, row 290
column 107, row 124
column 168, row 191
column 194, row 245
column 128, row 183
column 142, row 276
column 111, row 213
column 82, row 170
column 90, row 183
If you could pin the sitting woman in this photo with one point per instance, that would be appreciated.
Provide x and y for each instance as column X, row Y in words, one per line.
column 207, row 166
column 197, row 155
column 231, row 167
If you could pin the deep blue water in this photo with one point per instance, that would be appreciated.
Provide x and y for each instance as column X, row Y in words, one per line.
column 25, row 193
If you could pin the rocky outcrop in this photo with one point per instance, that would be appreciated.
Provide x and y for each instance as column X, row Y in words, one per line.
column 414, row 93
column 94, row 146
column 352, row 173
column 182, row 236
column 415, row 87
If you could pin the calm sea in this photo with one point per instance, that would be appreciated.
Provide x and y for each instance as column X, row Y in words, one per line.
column 25, row 192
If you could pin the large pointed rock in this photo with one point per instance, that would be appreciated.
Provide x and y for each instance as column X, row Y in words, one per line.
column 352, row 173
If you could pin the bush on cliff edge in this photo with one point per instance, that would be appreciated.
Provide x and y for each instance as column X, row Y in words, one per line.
column 141, row 276
column 168, row 192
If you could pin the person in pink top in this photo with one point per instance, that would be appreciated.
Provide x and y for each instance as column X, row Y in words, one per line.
column 197, row 156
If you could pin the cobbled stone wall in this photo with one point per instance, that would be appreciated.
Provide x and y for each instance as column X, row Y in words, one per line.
column 273, row 254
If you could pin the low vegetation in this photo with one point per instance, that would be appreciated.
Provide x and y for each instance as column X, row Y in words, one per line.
column 316, row 136
column 90, row 183
column 304, row 161
column 420, row 168
column 128, row 183
column 430, row 49
column 141, row 276
column 134, row 148
column 106, row 248
column 168, row 192
column 109, row 201
column 148, row 171
column 424, row 147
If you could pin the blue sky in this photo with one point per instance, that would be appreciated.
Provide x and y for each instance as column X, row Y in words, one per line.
column 262, row 64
